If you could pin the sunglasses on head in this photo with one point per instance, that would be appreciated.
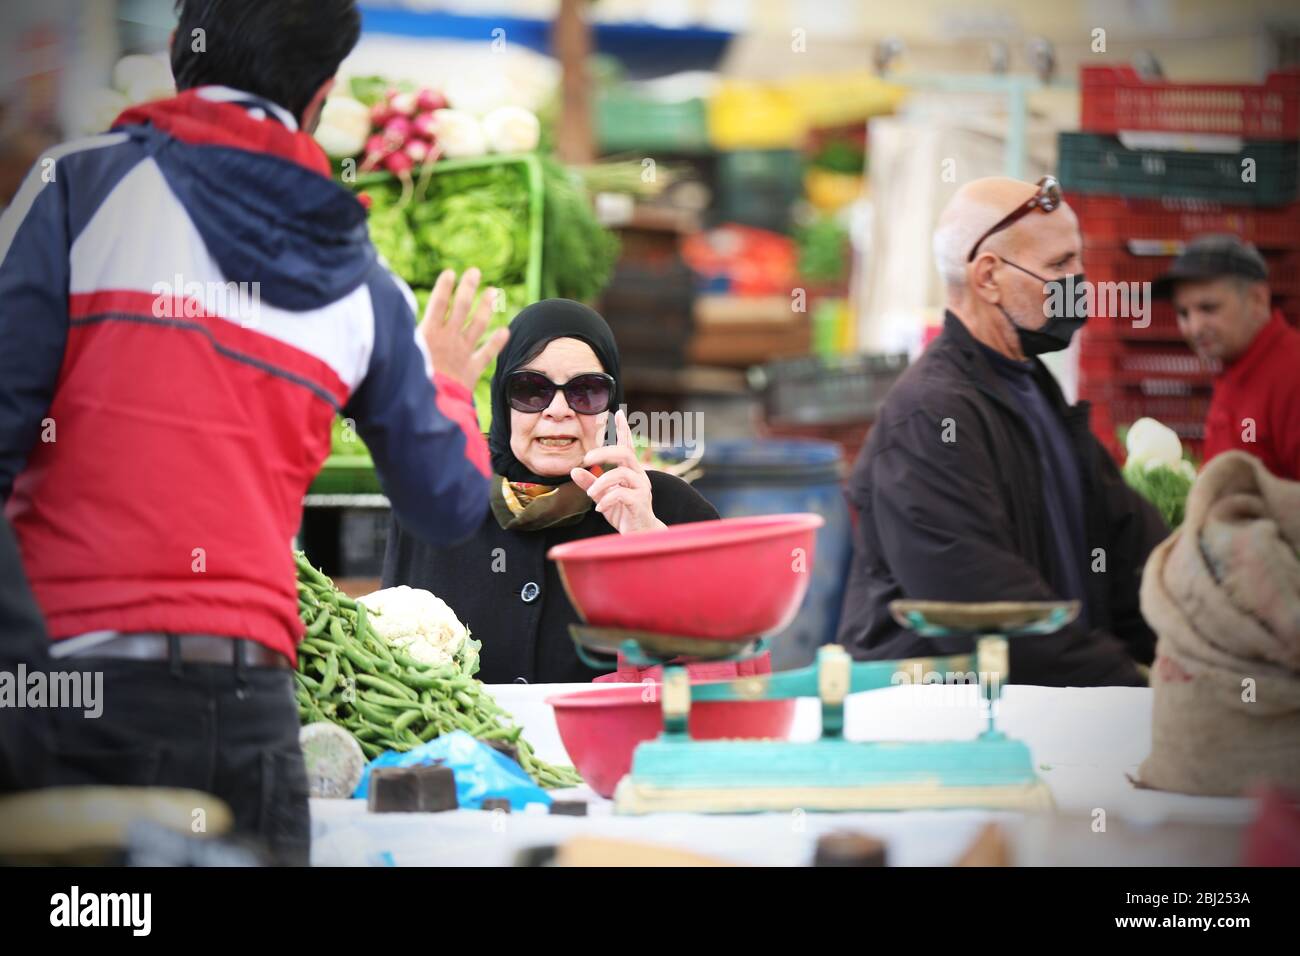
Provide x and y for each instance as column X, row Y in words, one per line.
column 1048, row 198
column 588, row 394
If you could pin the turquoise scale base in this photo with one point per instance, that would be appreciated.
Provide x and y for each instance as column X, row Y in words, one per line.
column 737, row 776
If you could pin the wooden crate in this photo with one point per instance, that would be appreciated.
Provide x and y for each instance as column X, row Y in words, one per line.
column 739, row 331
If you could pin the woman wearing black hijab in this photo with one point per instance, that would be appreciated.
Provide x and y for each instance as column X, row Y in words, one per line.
column 556, row 383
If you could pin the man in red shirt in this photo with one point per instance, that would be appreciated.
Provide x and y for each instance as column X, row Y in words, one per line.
column 1219, row 288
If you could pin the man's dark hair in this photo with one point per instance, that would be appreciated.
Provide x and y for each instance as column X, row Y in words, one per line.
column 282, row 50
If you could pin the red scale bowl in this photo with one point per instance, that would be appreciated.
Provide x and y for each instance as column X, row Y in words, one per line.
column 734, row 579
column 601, row 728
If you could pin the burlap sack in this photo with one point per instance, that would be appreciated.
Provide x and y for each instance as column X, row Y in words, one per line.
column 1223, row 595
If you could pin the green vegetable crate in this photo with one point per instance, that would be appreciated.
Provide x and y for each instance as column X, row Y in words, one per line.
column 626, row 122
column 1258, row 172
column 530, row 167
column 757, row 187
column 398, row 228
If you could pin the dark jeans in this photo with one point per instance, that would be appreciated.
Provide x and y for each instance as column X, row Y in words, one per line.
column 23, row 643
column 24, row 734
column 229, row 732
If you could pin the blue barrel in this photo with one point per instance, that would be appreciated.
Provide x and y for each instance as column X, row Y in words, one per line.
column 761, row 477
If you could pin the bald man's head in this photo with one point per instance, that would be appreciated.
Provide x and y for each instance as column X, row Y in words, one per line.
column 978, row 206
column 1008, row 289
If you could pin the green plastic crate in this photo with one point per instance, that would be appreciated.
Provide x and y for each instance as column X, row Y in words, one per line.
column 625, row 123
column 536, row 204
column 757, row 187
column 355, row 474
column 1102, row 164
column 346, row 475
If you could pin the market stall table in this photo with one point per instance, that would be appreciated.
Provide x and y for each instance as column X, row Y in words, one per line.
column 1085, row 742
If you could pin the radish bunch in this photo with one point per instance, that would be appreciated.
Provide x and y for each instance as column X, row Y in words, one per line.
column 403, row 134
column 410, row 131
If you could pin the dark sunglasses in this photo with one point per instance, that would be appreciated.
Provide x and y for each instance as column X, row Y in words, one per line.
column 1048, row 199
column 588, row 394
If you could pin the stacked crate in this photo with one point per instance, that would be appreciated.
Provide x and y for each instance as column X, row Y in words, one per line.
column 1156, row 164
column 834, row 398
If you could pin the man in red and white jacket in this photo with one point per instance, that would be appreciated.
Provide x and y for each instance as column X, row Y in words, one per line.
column 187, row 301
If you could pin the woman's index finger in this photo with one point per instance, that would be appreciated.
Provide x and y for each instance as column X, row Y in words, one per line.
column 624, row 429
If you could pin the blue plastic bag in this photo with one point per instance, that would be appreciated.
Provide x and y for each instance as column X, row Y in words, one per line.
column 480, row 770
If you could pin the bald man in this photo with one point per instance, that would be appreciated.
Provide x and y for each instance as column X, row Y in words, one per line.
column 979, row 482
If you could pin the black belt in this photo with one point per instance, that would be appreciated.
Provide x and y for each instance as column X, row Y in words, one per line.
column 188, row 649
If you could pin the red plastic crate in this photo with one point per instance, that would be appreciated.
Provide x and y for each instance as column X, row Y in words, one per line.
column 1117, row 98
column 1109, row 437
column 1118, row 406
column 1128, row 403
column 1112, row 361
column 1189, row 432
column 1161, row 327
column 1116, row 220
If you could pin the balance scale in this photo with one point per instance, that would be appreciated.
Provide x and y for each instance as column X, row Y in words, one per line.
column 677, row 773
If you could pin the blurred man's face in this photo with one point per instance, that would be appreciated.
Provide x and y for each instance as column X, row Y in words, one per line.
column 1219, row 317
column 1048, row 245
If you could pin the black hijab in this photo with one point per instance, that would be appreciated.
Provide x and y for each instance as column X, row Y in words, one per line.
column 530, row 331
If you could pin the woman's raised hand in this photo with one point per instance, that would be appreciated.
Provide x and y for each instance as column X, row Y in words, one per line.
column 622, row 492
column 452, row 335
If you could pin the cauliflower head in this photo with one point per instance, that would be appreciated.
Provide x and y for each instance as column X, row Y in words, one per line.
column 417, row 622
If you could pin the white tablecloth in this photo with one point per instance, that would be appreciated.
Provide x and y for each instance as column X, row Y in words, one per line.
column 1084, row 741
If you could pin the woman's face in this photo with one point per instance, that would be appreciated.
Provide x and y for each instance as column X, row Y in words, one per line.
column 554, row 441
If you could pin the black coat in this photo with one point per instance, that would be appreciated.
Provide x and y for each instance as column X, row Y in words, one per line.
column 508, row 594
column 963, row 520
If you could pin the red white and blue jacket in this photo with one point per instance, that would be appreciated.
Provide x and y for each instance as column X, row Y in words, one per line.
column 186, row 302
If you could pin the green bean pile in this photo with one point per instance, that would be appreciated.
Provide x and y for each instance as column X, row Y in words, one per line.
column 350, row 676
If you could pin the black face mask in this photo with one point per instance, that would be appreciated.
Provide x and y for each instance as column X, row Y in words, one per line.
column 1067, row 307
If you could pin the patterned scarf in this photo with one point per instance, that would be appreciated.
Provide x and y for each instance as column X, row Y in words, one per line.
column 527, row 506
